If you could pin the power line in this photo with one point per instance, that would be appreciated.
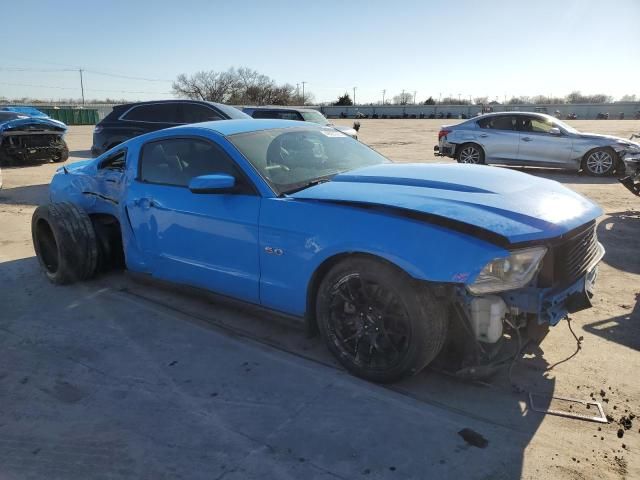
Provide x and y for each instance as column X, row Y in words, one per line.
column 88, row 89
column 39, row 70
column 37, row 86
column 117, row 75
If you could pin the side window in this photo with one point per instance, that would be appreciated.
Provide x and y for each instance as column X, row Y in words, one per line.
column 535, row 125
column 115, row 162
column 265, row 114
column 289, row 116
column 499, row 122
column 176, row 161
column 155, row 112
column 194, row 113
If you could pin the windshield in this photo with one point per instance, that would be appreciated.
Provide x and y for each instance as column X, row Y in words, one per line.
column 314, row 116
column 232, row 112
column 566, row 127
column 4, row 116
column 292, row 159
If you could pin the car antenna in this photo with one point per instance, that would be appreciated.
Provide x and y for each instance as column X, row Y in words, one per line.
column 64, row 169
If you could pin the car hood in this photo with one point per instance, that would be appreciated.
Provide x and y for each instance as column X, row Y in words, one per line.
column 33, row 124
column 611, row 138
column 346, row 130
column 513, row 207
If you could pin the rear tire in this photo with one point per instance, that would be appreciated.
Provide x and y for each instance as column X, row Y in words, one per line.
column 65, row 243
column 381, row 324
column 470, row 153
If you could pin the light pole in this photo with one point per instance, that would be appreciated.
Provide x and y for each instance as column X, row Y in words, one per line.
column 303, row 93
column 414, row 97
column 81, row 86
column 354, row 95
column 383, row 92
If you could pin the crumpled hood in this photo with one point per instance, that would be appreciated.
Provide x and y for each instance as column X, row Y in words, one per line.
column 34, row 124
column 515, row 206
column 598, row 136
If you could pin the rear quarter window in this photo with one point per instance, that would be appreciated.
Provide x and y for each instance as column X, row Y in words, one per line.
column 155, row 113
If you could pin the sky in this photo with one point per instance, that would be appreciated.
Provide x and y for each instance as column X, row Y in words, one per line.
column 493, row 48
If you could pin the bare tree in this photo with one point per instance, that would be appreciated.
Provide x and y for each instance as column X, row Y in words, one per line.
column 403, row 98
column 236, row 86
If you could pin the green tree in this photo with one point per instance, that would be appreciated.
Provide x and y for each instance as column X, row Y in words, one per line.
column 344, row 100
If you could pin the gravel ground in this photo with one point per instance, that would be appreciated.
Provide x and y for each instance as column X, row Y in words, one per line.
column 89, row 386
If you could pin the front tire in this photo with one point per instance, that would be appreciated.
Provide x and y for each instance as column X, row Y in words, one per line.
column 600, row 162
column 470, row 153
column 63, row 156
column 381, row 324
column 65, row 243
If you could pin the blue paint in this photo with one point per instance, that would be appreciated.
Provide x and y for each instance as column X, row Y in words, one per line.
column 226, row 241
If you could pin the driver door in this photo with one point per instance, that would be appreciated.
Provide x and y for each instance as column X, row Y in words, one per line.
column 206, row 240
column 539, row 146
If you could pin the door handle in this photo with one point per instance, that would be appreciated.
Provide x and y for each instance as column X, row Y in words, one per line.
column 526, row 139
column 484, row 135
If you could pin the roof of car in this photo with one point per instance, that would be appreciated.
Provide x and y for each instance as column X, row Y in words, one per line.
column 495, row 114
column 174, row 100
column 280, row 107
column 231, row 127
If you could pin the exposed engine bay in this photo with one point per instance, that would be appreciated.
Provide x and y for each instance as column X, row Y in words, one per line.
column 24, row 139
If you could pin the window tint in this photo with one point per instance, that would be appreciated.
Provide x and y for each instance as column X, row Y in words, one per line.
column 282, row 115
column 534, row 124
column 156, row 112
column 115, row 162
column 177, row 161
column 194, row 113
column 265, row 114
column 500, row 122
column 289, row 116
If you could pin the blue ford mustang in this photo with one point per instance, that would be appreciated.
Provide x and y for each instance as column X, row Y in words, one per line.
column 394, row 264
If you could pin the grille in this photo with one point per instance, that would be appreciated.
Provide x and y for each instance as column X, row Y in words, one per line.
column 575, row 255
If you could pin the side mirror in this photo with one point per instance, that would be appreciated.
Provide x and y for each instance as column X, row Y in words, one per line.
column 214, row 183
column 555, row 131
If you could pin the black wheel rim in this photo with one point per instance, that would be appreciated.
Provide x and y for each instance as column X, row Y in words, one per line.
column 47, row 246
column 368, row 323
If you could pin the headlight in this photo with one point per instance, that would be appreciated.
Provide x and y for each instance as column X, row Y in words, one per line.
column 509, row 273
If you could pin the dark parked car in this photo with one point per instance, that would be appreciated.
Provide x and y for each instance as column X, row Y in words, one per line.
column 301, row 114
column 133, row 119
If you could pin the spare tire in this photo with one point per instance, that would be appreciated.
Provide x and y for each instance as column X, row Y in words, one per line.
column 65, row 242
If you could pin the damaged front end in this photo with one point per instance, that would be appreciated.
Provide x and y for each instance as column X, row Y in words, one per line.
column 489, row 328
column 630, row 157
column 632, row 171
column 27, row 139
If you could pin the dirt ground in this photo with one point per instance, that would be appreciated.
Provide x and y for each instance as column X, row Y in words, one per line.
column 63, row 420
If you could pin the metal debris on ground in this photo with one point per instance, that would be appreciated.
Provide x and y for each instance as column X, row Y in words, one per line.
column 601, row 418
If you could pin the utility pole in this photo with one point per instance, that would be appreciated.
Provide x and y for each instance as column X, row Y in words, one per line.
column 303, row 93
column 81, row 86
column 414, row 97
column 383, row 92
column 354, row 95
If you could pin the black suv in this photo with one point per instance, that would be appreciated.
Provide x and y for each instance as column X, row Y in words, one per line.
column 133, row 119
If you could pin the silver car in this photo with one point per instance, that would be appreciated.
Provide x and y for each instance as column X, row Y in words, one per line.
column 536, row 139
